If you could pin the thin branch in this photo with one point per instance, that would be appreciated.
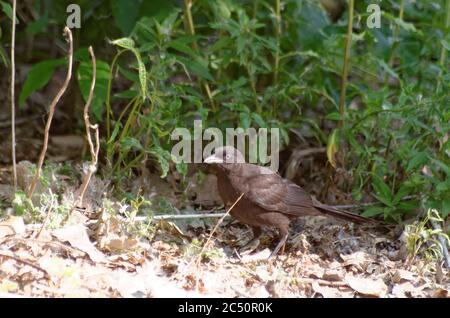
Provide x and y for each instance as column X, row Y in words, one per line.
column 55, row 101
column 94, row 149
column 13, row 106
column 24, row 261
column 217, row 225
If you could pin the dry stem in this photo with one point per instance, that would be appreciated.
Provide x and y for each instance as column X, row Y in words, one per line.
column 13, row 107
column 55, row 101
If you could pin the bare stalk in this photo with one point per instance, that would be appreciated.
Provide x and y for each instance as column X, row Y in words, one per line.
column 94, row 149
column 13, row 106
column 55, row 101
column 348, row 44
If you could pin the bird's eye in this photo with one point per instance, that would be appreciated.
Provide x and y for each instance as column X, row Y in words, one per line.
column 227, row 157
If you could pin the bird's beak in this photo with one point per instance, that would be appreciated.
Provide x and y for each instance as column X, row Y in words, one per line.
column 213, row 159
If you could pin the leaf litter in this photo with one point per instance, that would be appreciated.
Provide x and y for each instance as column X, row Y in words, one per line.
column 99, row 256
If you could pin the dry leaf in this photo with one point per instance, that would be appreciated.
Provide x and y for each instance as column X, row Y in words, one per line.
column 77, row 236
column 402, row 275
column 326, row 292
column 13, row 225
column 367, row 286
column 403, row 290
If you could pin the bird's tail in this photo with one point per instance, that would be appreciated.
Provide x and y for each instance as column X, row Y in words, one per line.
column 340, row 214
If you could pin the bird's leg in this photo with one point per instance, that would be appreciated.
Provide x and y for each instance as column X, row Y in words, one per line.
column 284, row 235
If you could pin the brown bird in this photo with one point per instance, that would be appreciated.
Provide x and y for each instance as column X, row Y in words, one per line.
column 268, row 200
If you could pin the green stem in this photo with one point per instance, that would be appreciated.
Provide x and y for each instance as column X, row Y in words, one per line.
column 395, row 39
column 108, row 96
column 443, row 56
column 191, row 28
column 255, row 94
column 277, row 54
column 348, row 44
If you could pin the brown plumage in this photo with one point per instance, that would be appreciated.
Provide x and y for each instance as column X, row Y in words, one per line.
column 269, row 199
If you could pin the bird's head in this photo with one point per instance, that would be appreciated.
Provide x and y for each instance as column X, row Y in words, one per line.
column 227, row 154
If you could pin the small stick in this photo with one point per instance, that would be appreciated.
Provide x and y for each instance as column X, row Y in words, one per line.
column 13, row 106
column 24, row 261
column 55, row 101
column 217, row 225
column 94, row 149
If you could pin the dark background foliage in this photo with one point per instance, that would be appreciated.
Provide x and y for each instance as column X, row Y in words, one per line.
column 161, row 64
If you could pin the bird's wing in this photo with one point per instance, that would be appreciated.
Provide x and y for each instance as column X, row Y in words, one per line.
column 273, row 193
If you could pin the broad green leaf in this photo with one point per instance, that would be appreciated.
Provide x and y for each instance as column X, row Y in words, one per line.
column 128, row 43
column 38, row 77
column 128, row 143
column 383, row 192
column 183, row 48
column 7, row 9
column 125, row 12
column 401, row 193
column 101, row 85
column 196, row 68
column 163, row 157
column 373, row 211
column 417, row 161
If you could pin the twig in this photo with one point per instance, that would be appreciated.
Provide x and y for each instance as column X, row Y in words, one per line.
column 93, row 149
column 58, row 96
column 24, row 261
column 217, row 225
column 197, row 260
column 13, row 106
column 323, row 282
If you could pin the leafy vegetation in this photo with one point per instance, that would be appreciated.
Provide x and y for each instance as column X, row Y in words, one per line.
column 270, row 64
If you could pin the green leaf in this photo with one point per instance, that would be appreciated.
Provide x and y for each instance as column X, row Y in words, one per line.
column 383, row 192
column 419, row 160
column 128, row 143
column 101, row 85
column 163, row 157
column 196, row 68
column 445, row 44
column 125, row 12
column 332, row 147
column 7, row 9
column 183, row 48
column 128, row 43
column 245, row 120
column 401, row 193
column 38, row 77
column 372, row 211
